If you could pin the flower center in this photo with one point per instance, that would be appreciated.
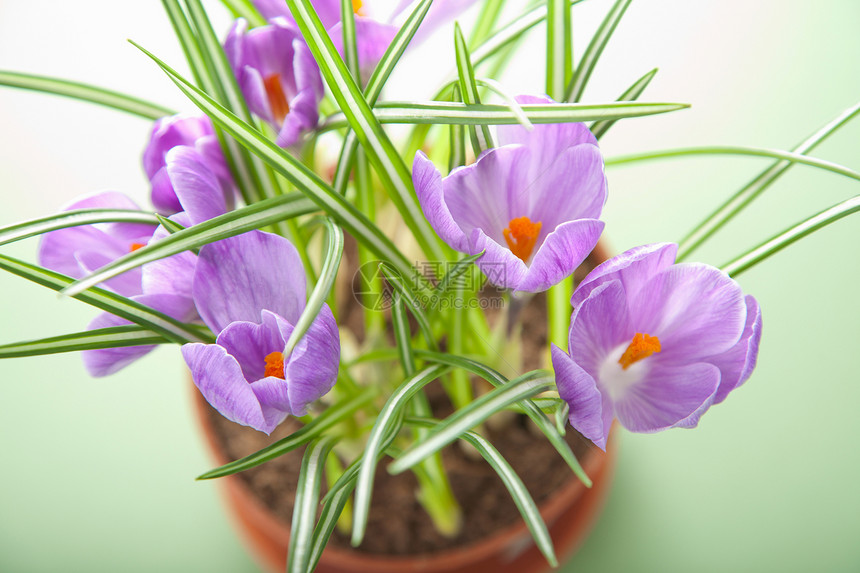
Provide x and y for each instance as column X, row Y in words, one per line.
column 642, row 346
column 357, row 7
column 521, row 236
column 275, row 365
column 277, row 97
column 135, row 246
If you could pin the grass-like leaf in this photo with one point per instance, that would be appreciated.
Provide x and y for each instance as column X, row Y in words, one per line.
column 599, row 128
column 451, row 113
column 598, row 42
column 529, row 407
column 480, row 135
column 730, row 150
column 314, row 429
column 515, row 486
column 114, row 337
column 84, row 92
column 142, row 315
column 333, row 507
column 789, row 236
column 514, row 106
column 456, row 271
column 392, row 171
column 410, row 299
column 402, row 336
column 389, row 419
column 245, row 9
column 756, row 187
column 305, row 180
column 375, row 84
column 325, row 282
column 559, row 48
column 305, row 508
column 76, row 218
column 473, row 415
column 254, row 216
column 490, row 12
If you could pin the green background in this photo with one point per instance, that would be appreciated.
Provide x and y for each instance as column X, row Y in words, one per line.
column 97, row 475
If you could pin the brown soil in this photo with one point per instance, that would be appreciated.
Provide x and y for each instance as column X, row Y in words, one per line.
column 398, row 524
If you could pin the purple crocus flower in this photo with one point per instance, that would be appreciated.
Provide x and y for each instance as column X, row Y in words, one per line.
column 654, row 344
column 278, row 76
column 194, row 131
column 78, row 251
column 251, row 290
column 531, row 205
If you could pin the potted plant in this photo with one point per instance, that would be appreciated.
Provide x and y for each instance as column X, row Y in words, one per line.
column 311, row 361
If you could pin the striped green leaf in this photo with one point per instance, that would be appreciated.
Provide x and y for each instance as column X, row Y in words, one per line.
column 789, row 236
column 76, row 218
column 481, row 137
column 756, row 187
column 598, row 42
column 599, row 128
column 245, row 9
column 559, row 48
column 410, row 300
column 390, row 419
column 515, row 486
column 474, row 414
column 314, row 429
column 254, row 216
column 305, row 507
column 453, row 113
column 392, row 171
column 84, row 92
column 114, row 337
column 170, row 328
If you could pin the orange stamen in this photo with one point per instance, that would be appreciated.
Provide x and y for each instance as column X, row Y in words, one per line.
column 357, row 7
column 136, row 246
column 275, row 365
column 521, row 236
column 642, row 346
column 277, row 97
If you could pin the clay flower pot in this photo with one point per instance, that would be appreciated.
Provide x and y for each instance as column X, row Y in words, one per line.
column 569, row 514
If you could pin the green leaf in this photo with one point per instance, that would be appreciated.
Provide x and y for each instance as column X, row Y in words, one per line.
column 528, row 406
column 168, row 327
column 402, row 336
column 411, row 300
column 305, row 508
column 592, row 53
column 450, row 113
column 515, row 486
column 328, row 273
column 305, row 180
column 511, row 33
column 559, row 48
column 84, row 92
column 481, row 137
column 333, row 507
column 374, row 86
column 392, row 171
column 730, row 150
column 456, row 271
column 795, row 233
column 254, row 216
column 388, row 421
column 756, row 187
column 245, row 9
column 314, row 429
column 350, row 48
column 490, row 12
column 76, row 218
column 113, row 337
column 510, row 100
column 472, row 415
column 599, row 128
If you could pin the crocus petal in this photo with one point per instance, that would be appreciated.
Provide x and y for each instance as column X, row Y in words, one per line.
column 578, row 389
column 666, row 396
column 598, row 325
column 196, row 187
column 236, row 278
column 303, row 116
column 174, row 274
column 311, row 370
column 428, row 187
column 738, row 363
column 219, row 378
column 440, row 12
column 633, row 268
column 501, row 267
column 562, row 251
column 696, row 310
column 106, row 361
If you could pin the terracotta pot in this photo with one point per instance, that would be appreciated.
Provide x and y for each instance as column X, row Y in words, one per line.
column 569, row 515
